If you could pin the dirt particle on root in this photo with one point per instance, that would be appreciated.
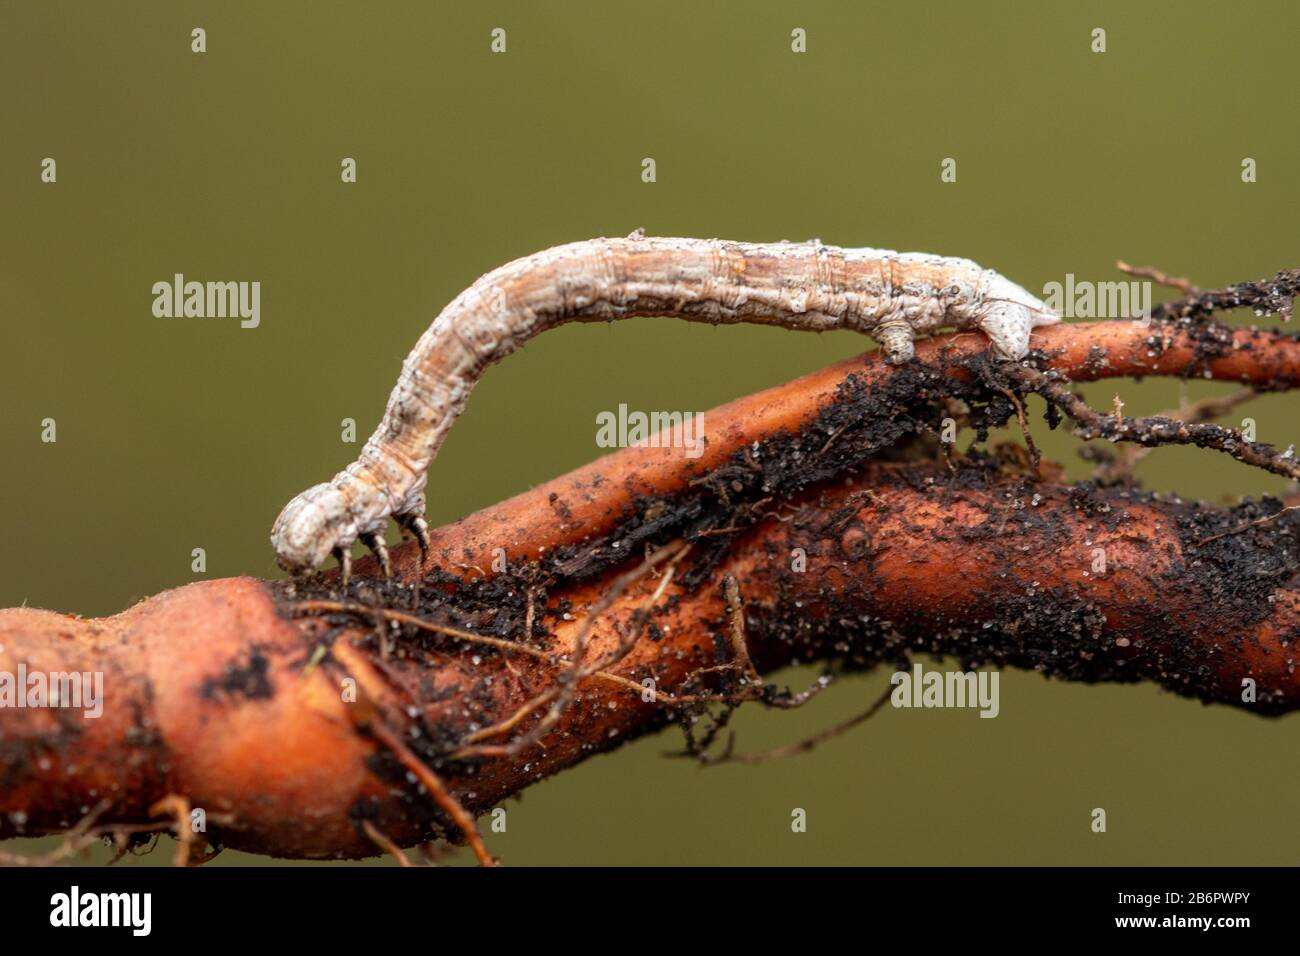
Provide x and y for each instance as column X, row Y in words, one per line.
column 249, row 679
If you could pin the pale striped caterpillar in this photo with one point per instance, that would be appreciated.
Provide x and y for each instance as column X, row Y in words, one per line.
column 891, row 296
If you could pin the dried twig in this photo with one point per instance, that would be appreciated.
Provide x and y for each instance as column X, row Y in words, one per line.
column 385, row 843
column 1120, row 468
column 800, row 746
column 1161, row 278
column 179, row 808
column 1266, row 296
column 437, row 789
column 1250, row 524
column 1153, row 431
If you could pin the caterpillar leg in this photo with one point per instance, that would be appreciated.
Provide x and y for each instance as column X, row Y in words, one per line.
column 419, row 529
column 1008, row 327
column 897, row 341
column 374, row 540
column 344, row 557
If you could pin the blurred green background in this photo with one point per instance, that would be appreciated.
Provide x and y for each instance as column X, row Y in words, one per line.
column 182, row 433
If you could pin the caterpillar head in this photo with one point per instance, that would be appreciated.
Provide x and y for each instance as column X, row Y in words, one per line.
column 1007, row 314
column 310, row 527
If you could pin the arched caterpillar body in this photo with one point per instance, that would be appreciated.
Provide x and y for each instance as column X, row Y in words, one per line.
column 891, row 296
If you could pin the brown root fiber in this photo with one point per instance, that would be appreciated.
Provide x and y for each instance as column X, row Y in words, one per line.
column 822, row 523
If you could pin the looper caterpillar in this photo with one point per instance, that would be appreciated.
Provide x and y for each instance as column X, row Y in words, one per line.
column 889, row 295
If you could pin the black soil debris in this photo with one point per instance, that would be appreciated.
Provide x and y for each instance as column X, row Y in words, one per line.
column 249, row 679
